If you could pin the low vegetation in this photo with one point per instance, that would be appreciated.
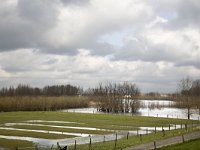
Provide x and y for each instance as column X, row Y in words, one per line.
column 41, row 103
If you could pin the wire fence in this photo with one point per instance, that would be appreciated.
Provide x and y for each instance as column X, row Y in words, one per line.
column 93, row 144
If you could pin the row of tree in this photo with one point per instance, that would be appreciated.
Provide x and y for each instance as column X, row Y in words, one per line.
column 55, row 90
column 189, row 95
column 113, row 97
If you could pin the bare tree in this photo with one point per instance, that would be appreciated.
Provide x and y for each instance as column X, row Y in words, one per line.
column 185, row 98
column 113, row 97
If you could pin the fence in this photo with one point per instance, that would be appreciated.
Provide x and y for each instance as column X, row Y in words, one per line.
column 138, row 134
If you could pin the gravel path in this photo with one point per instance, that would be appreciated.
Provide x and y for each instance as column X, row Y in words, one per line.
column 166, row 142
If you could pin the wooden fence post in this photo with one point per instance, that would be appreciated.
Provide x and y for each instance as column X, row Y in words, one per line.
column 147, row 131
column 127, row 135
column 154, row 143
column 186, row 126
column 90, row 143
column 140, row 137
column 75, row 145
column 183, row 139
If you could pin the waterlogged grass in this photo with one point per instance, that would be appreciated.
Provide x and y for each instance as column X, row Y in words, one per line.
column 62, row 129
column 102, row 121
column 33, row 134
column 132, row 140
column 193, row 145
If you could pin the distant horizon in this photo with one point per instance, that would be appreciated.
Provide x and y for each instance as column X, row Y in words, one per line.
column 84, row 88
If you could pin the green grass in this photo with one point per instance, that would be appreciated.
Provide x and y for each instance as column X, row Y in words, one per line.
column 33, row 134
column 133, row 140
column 193, row 145
column 103, row 121
column 13, row 143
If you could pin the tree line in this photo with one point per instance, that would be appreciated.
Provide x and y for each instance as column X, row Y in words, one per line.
column 189, row 95
column 116, row 98
column 54, row 90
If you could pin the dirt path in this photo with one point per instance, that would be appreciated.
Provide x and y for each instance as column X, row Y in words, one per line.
column 166, row 142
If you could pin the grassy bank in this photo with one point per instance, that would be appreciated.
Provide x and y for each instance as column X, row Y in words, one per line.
column 42, row 103
column 193, row 145
column 132, row 141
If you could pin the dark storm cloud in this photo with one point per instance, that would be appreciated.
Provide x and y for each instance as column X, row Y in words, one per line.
column 24, row 24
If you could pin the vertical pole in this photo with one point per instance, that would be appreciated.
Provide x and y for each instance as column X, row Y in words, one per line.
column 155, row 130
column 169, row 127
column 104, row 139
column 154, row 143
column 137, row 132
column 141, row 137
column 175, row 126
column 186, row 126
column 183, row 138
column 127, row 135
column 90, row 144
column 147, row 131
column 75, row 145
column 181, row 126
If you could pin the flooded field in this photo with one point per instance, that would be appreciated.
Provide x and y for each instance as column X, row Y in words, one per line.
column 154, row 108
column 81, row 138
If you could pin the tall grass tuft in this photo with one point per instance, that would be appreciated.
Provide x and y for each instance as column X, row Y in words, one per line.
column 42, row 103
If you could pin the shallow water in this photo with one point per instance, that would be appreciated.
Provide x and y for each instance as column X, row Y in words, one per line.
column 55, row 126
column 50, row 132
column 85, row 138
column 146, row 110
column 67, row 141
column 40, row 121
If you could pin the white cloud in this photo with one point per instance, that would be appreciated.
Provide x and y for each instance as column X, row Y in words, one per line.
column 152, row 43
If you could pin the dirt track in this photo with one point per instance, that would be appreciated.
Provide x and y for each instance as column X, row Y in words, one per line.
column 166, row 142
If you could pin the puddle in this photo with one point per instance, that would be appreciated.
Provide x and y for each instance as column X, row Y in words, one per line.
column 40, row 121
column 50, row 132
column 84, row 138
column 67, row 141
column 55, row 126
column 172, row 127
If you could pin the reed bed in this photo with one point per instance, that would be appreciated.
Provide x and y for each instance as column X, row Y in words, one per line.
column 42, row 103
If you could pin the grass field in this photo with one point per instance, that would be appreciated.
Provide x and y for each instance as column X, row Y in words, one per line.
column 190, row 145
column 100, row 121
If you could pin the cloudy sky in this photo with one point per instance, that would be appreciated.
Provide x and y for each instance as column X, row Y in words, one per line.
column 153, row 43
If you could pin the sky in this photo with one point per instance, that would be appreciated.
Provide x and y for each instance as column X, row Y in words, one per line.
column 153, row 43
